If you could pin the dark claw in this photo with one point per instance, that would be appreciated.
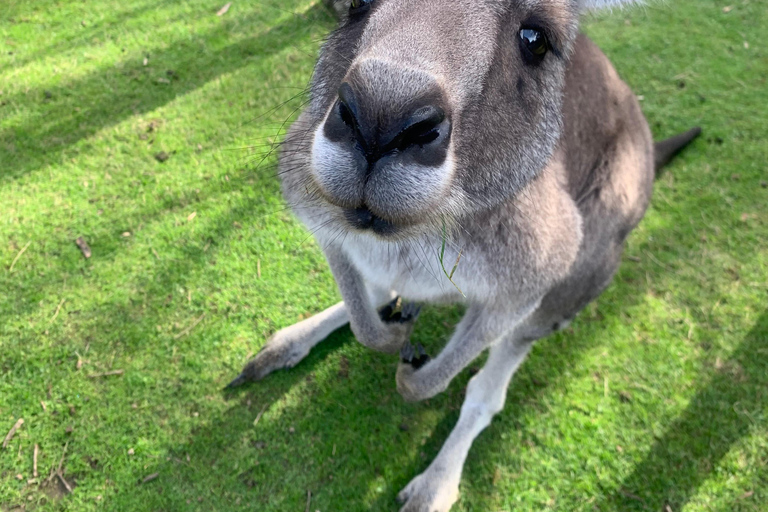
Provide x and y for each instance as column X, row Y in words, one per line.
column 410, row 311
column 239, row 381
column 389, row 312
column 416, row 357
column 398, row 312
column 406, row 353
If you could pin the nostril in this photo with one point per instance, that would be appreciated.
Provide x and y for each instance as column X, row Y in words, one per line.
column 417, row 136
column 348, row 109
column 346, row 115
column 349, row 113
column 422, row 128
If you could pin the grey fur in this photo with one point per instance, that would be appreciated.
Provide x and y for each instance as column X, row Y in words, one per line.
column 549, row 168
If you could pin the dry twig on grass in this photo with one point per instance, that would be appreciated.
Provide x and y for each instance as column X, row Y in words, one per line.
column 150, row 478
column 106, row 374
column 58, row 308
column 34, row 460
column 12, row 432
column 13, row 263
column 631, row 496
column 63, row 454
column 64, row 481
column 258, row 416
column 188, row 329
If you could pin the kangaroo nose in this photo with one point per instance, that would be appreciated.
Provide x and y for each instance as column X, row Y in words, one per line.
column 379, row 132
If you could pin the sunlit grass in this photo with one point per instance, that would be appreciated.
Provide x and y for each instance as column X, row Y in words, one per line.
column 657, row 396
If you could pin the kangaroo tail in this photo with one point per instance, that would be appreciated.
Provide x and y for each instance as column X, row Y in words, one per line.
column 666, row 150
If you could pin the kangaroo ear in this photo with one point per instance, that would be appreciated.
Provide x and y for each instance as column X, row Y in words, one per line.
column 603, row 4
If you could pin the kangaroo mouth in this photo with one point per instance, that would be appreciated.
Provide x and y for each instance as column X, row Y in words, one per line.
column 364, row 219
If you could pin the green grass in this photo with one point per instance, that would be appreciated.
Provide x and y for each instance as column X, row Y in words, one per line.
column 658, row 395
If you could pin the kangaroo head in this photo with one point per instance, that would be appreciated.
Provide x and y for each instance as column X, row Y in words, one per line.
column 423, row 111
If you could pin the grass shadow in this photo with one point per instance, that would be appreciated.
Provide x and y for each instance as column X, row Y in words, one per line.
column 115, row 93
column 718, row 416
column 288, row 446
column 84, row 37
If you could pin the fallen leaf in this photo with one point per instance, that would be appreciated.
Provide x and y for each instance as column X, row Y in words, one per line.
column 126, row 234
column 344, row 373
column 131, row 451
column 727, row 9
column 146, row 61
column 746, row 495
column 191, row 216
column 223, row 10
column 81, row 243
column 497, row 476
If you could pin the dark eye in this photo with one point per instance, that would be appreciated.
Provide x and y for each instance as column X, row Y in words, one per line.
column 535, row 45
column 359, row 6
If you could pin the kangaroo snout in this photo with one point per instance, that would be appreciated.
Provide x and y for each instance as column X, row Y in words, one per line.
column 382, row 154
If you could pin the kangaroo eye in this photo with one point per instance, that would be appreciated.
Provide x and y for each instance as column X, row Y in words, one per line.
column 535, row 45
column 359, row 6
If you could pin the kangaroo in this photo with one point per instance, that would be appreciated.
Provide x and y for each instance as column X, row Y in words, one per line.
column 472, row 151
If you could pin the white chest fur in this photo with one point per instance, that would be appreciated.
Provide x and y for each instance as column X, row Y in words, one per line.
column 411, row 268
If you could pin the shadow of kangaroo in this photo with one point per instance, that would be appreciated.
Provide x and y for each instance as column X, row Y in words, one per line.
column 463, row 151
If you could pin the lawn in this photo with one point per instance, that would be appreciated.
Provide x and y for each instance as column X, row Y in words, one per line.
column 144, row 128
